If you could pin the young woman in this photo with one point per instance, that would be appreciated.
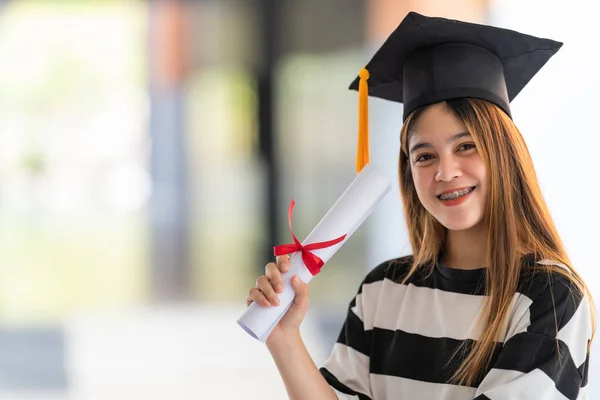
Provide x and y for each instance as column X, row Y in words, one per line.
column 488, row 306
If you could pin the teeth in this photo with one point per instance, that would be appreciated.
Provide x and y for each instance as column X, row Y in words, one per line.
column 456, row 194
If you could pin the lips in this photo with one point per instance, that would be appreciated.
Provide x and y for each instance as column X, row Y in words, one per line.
column 461, row 191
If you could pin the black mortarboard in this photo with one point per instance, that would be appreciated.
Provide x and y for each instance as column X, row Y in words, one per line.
column 427, row 60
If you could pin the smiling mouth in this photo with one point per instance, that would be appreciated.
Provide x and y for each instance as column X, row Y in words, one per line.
column 456, row 194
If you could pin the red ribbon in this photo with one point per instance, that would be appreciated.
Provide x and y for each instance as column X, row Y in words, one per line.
column 312, row 262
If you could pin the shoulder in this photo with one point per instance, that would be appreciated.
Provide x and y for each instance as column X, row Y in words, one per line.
column 392, row 269
column 542, row 278
column 556, row 299
column 377, row 283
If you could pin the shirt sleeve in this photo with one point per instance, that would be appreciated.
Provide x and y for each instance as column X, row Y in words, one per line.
column 536, row 362
column 347, row 368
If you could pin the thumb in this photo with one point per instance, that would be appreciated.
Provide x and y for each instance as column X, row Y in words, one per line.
column 302, row 290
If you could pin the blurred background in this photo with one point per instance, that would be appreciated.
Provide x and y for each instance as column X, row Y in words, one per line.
column 148, row 154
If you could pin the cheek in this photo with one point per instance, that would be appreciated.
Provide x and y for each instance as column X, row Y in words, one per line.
column 481, row 174
column 421, row 182
column 474, row 167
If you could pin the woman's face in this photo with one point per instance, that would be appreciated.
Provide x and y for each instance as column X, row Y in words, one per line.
column 448, row 172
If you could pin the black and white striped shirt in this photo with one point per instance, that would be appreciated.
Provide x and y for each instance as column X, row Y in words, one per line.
column 398, row 339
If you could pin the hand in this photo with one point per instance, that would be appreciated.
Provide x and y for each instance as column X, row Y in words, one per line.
column 265, row 295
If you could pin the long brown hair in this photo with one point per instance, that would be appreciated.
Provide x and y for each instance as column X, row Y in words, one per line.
column 517, row 222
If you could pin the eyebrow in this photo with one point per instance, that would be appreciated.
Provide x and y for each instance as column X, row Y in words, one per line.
column 419, row 145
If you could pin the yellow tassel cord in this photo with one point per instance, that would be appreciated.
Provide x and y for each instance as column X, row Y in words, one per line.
column 362, row 153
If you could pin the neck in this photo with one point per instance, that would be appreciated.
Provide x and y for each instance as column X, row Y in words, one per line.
column 465, row 249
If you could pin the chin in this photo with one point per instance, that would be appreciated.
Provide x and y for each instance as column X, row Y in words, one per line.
column 460, row 225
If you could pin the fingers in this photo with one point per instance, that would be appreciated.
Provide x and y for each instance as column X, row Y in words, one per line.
column 283, row 262
column 264, row 285
column 274, row 275
column 255, row 295
column 267, row 286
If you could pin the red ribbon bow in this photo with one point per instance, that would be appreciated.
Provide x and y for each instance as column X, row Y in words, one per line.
column 312, row 262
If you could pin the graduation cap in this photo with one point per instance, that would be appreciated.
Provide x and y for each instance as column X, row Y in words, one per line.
column 427, row 60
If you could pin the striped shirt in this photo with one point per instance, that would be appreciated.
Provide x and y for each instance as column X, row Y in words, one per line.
column 398, row 340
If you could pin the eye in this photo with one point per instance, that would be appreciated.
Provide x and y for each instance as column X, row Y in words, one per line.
column 424, row 157
column 466, row 146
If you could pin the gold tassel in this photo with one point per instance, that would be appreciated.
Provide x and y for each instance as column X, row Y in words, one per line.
column 362, row 153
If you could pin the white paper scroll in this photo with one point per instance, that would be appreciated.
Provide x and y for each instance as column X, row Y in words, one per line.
column 345, row 216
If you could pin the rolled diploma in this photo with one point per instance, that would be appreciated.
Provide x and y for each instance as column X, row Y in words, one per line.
column 345, row 216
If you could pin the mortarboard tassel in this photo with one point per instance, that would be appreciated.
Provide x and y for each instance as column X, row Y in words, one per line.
column 362, row 153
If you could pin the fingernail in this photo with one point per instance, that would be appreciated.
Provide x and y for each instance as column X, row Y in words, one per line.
column 275, row 301
column 285, row 266
column 296, row 280
column 279, row 287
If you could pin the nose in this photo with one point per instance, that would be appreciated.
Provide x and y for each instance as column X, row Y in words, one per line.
column 448, row 169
